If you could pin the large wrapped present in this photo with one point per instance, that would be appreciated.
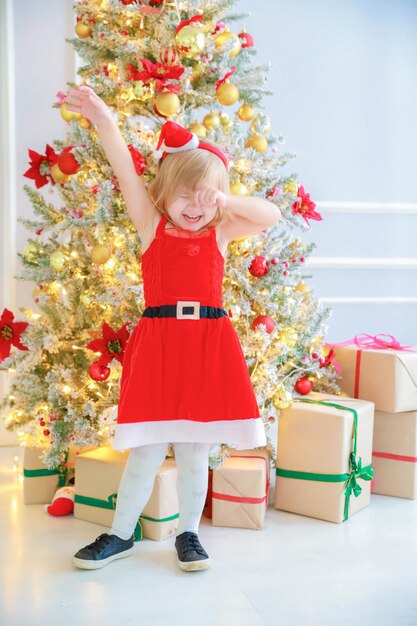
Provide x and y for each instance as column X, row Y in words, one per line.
column 41, row 483
column 324, row 456
column 394, row 454
column 97, row 477
column 383, row 372
column 241, row 489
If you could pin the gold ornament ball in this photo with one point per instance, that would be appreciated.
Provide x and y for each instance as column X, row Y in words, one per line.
column 69, row 115
column 281, row 398
column 242, row 166
column 57, row 261
column 225, row 36
column 58, row 175
column 100, row 253
column 30, row 252
column 257, row 142
column 83, row 30
column 211, row 120
column 225, row 121
column 84, row 123
column 288, row 336
column 291, row 187
column 190, row 41
column 239, row 189
column 85, row 299
column 261, row 124
column 245, row 112
column 241, row 246
column 198, row 69
column 301, row 287
column 227, row 93
column 295, row 243
column 198, row 129
column 167, row 103
column 169, row 56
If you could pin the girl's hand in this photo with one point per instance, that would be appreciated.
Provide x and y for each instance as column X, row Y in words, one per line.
column 84, row 100
column 209, row 197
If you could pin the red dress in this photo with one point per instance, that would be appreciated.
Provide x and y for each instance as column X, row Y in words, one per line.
column 185, row 379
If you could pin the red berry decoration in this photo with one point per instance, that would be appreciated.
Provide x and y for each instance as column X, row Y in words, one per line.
column 259, row 266
column 67, row 162
column 98, row 371
column 303, row 385
column 263, row 319
column 46, row 432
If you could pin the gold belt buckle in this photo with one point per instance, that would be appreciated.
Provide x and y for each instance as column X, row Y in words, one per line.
column 181, row 304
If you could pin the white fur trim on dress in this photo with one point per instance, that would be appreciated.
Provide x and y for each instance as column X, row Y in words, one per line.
column 240, row 434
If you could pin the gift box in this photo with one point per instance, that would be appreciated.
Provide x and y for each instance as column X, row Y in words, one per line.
column 41, row 483
column 383, row 372
column 240, row 490
column 97, row 477
column 324, row 456
column 394, row 454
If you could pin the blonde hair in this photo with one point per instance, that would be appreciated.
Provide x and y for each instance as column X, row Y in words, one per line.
column 186, row 169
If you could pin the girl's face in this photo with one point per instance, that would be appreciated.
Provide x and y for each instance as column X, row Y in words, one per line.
column 182, row 209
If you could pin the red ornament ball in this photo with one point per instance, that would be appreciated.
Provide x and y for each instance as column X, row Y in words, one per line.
column 259, row 266
column 303, row 386
column 98, row 371
column 67, row 162
column 263, row 319
column 247, row 40
column 46, row 432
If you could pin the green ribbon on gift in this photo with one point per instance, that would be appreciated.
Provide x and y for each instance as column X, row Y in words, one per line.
column 61, row 470
column 355, row 465
column 110, row 503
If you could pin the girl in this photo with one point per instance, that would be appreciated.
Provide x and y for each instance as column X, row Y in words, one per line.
column 184, row 378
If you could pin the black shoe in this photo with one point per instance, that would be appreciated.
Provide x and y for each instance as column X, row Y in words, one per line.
column 191, row 554
column 103, row 550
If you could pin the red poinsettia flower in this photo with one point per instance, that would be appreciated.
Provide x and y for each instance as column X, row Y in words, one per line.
column 330, row 360
column 40, row 166
column 159, row 72
column 10, row 333
column 304, row 206
column 111, row 345
column 139, row 161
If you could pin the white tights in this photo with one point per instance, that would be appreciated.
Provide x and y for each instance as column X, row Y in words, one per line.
column 138, row 478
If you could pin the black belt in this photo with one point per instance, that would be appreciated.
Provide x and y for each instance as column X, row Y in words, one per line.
column 184, row 309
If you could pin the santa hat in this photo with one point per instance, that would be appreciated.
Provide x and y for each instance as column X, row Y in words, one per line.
column 175, row 138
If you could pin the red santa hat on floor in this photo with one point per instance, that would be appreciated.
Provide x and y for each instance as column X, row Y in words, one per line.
column 175, row 138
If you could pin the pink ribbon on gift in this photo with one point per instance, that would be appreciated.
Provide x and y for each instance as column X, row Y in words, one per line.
column 371, row 342
column 395, row 457
column 245, row 500
column 374, row 342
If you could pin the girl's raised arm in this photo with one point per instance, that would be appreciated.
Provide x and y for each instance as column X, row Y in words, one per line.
column 84, row 100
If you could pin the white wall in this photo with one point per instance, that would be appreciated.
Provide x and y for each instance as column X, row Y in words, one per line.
column 345, row 91
column 345, row 95
column 36, row 63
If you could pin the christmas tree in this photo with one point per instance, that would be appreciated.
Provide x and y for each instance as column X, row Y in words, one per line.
column 153, row 61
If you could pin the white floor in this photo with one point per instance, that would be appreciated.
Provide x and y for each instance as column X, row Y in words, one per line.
column 296, row 571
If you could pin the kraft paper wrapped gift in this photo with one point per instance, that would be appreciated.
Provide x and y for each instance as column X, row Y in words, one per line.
column 324, row 456
column 240, row 490
column 97, row 477
column 41, row 483
column 394, row 454
column 385, row 376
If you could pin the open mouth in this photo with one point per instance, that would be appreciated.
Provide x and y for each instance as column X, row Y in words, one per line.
column 191, row 218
